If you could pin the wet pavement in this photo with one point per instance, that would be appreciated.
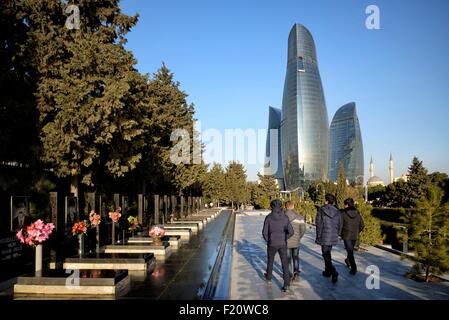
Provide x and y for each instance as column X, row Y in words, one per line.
column 249, row 265
column 184, row 275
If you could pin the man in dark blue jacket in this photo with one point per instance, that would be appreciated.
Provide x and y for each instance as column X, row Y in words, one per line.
column 276, row 231
column 328, row 228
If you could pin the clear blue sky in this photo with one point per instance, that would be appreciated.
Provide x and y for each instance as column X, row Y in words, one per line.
column 230, row 57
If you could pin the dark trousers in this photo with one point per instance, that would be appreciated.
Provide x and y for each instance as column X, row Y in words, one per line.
column 293, row 260
column 328, row 266
column 349, row 246
column 271, row 252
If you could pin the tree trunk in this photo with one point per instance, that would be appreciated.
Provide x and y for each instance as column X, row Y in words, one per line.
column 74, row 185
column 427, row 273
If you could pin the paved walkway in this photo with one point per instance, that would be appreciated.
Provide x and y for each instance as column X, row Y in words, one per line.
column 249, row 264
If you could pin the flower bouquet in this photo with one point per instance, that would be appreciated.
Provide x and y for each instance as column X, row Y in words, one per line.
column 115, row 216
column 157, row 233
column 79, row 228
column 94, row 218
column 34, row 235
column 133, row 223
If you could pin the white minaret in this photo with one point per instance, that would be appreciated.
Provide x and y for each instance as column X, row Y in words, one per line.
column 391, row 168
column 371, row 168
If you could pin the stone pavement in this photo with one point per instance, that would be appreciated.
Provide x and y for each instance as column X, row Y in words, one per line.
column 249, row 264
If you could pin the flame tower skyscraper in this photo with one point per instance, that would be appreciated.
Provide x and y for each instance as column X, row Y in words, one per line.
column 305, row 124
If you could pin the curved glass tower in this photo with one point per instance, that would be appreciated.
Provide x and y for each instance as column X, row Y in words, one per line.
column 305, row 125
column 346, row 144
column 273, row 162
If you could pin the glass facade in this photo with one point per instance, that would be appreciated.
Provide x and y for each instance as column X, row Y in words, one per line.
column 305, row 124
column 346, row 144
column 273, row 159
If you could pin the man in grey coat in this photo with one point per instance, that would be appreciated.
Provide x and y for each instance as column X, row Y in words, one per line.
column 299, row 227
column 328, row 228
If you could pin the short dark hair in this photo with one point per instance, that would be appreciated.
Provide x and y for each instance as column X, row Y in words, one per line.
column 276, row 203
column 349, row 202
column 330, row 198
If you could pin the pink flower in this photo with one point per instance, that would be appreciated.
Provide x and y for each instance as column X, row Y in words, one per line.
column 36, row 233
column 157, row 232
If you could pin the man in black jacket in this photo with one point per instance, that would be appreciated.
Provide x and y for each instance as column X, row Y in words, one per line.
column 352, row 226
column 299, row 228
column 328, row 228
column 276, row 231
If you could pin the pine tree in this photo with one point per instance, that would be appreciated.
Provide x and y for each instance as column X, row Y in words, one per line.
column 430, row 233
column 372, row 233
column 418, row 181
column 235, row 181
column 267, row 190
column 19, row 140
column 89, row 94
column 214, row 184
column 341, row 192
column 167, row 111
column 305, row 207
column 320, row 200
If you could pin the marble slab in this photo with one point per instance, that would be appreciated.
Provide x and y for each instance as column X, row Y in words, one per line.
column 73, row 282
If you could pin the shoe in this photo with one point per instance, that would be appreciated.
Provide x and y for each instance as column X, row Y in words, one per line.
column 285, row 288
column 326, row 274
column 353, row 272
column 347, row 263
column 295, row 276
column 266, row 277
column 335, row 277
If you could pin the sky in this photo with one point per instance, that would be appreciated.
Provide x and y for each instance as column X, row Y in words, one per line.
column 230, row 57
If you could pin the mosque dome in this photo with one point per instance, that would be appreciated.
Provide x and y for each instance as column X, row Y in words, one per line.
column 375, row 181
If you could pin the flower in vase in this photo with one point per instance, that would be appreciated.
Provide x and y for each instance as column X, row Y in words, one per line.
column 115, row 216
column 133, row 223
column 95, row 219
column 157, row 232
column 36, row 233
column 79, row 228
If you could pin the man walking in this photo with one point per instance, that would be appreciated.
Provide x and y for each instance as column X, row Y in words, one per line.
column 352, row 226
column 276, row 230
column 328, row 228
column 299, row 228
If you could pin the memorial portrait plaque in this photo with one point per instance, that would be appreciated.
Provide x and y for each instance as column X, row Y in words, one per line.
column 71, row 211
column 20, row 212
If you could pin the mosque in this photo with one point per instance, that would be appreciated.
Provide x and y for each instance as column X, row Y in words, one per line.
column 375, row 181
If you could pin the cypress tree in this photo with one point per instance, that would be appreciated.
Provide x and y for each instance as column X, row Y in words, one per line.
column 341, row 192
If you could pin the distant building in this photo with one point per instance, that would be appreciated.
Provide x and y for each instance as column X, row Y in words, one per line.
column 346, row 144
column 305, row 124
column 374, row 181
column 273, row 158
column 404, row 178
column 391, row 169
